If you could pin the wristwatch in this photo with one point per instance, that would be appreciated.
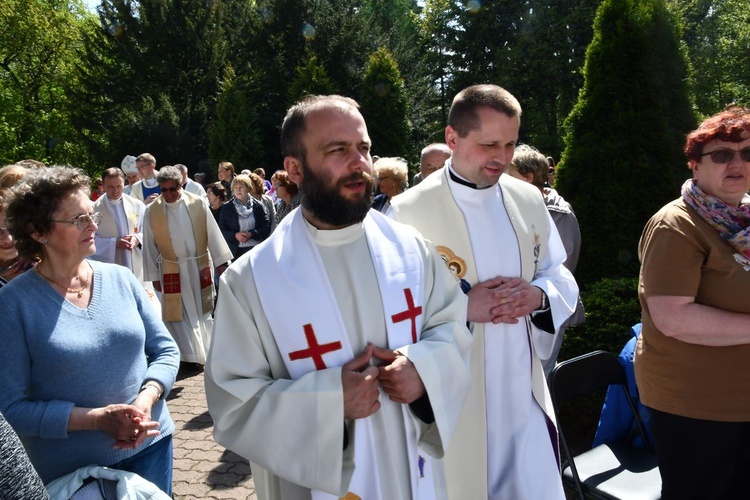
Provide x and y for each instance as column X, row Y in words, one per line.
column 152, row 385
column 545, row 303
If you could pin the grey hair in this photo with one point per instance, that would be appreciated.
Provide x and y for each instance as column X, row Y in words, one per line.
column 169, row 173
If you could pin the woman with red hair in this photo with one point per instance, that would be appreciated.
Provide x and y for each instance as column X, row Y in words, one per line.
column 692, row 363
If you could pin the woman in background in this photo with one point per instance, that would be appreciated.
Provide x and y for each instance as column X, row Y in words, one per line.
column 257, row 193
column 691, row 362
column 392, row 175
column 243, row 221
column 226, row 175
column 86, row 361
column 287, row 193
column 217, row 196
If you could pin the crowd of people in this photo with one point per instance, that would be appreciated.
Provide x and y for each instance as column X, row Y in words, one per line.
column 371, row 340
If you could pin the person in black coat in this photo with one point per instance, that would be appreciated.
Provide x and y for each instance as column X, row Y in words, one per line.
column 243, row 221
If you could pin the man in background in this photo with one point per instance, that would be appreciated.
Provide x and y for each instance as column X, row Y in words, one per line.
column 432, row 158
column 146, row 189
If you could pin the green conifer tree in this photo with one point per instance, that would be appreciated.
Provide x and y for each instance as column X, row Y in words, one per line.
column 234, row 134
column 623, row 158
column 311, row 79
column 384, row 106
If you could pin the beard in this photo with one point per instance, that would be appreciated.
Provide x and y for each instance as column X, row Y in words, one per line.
column 325, row 202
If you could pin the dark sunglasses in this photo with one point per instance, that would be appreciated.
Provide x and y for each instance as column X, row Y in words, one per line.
column 725, row 155
column 170, row 190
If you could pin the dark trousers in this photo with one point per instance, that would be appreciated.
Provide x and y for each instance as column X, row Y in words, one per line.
column 153, row 463
column 702, row 459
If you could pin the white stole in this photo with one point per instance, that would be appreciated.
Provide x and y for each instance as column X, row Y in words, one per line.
column 312, row 335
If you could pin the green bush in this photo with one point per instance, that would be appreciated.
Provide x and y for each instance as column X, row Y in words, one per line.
column 612, row 307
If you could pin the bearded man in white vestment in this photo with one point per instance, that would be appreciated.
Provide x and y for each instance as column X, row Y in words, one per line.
column 339, row 360
column 182, row 245
column 495, row 234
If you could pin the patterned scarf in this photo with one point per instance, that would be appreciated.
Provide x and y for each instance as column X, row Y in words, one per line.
column 243, row 210
column 733, row 223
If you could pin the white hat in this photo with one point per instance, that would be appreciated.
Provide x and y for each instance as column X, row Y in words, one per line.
column 128, row 165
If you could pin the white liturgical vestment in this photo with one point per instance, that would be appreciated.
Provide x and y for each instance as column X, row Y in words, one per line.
column 505, row 445
column 193, row 333
column 292, row 429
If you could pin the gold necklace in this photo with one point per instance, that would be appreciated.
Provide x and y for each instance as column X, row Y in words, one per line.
column 70, row 290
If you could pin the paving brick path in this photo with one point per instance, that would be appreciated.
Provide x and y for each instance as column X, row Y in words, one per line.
column 202, row 468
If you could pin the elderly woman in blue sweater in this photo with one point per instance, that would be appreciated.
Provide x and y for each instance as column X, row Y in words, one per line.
column 86, row 362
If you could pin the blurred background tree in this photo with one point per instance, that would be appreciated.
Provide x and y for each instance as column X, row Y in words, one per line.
column 196, row 82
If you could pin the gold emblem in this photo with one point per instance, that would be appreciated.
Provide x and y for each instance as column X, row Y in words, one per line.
column 456, row 264
column 350, row 496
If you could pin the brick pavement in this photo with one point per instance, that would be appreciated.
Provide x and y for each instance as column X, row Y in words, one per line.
column 202, row 468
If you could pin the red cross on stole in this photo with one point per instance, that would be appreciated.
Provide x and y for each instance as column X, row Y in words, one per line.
column 314, row 350
column 171, row 283
column 411, row 313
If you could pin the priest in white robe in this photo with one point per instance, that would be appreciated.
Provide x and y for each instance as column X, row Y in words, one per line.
column 119, row 238
column 182, row 245
column 495, row 234
column 339, row 359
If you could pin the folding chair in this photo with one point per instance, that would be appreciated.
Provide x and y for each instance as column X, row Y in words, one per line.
column 612, row 470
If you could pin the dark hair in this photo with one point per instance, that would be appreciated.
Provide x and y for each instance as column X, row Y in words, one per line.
column 282, row 177
column 33, row 201
column 294, row 122
column 463, row 115
column 730, row 125
column 112, row 172
column 218, row 190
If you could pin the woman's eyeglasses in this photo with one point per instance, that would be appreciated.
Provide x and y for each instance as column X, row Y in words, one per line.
column 725, row 155
column 84, row 220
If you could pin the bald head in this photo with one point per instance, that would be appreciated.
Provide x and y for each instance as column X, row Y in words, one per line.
column 432, row 158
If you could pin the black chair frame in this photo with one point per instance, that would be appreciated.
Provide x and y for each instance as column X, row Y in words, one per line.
column 581, row 376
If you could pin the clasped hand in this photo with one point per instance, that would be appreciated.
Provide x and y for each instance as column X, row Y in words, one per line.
column 243, row 236
column 127, row 242
column 128, row 425
column 361, row 381
column 502, row 300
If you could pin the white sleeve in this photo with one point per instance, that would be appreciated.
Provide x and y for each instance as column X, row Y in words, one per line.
column 561, row 289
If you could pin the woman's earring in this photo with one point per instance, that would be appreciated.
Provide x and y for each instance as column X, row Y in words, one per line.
column 43, row 241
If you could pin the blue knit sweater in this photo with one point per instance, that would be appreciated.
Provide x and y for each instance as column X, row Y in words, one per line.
column 55, row 356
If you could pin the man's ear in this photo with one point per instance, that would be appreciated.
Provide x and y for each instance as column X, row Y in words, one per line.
column 450, row 137
column 293, row 167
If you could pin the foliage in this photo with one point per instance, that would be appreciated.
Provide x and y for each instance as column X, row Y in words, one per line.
column 165, row 51
column 311, row 79
column 37, row 50
column 717, row 35
column 384, row 106
column 77, row 88
column 437, row 34
column 234, row 134
column 549, row 58
column 623, row 158
column 612, row 307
